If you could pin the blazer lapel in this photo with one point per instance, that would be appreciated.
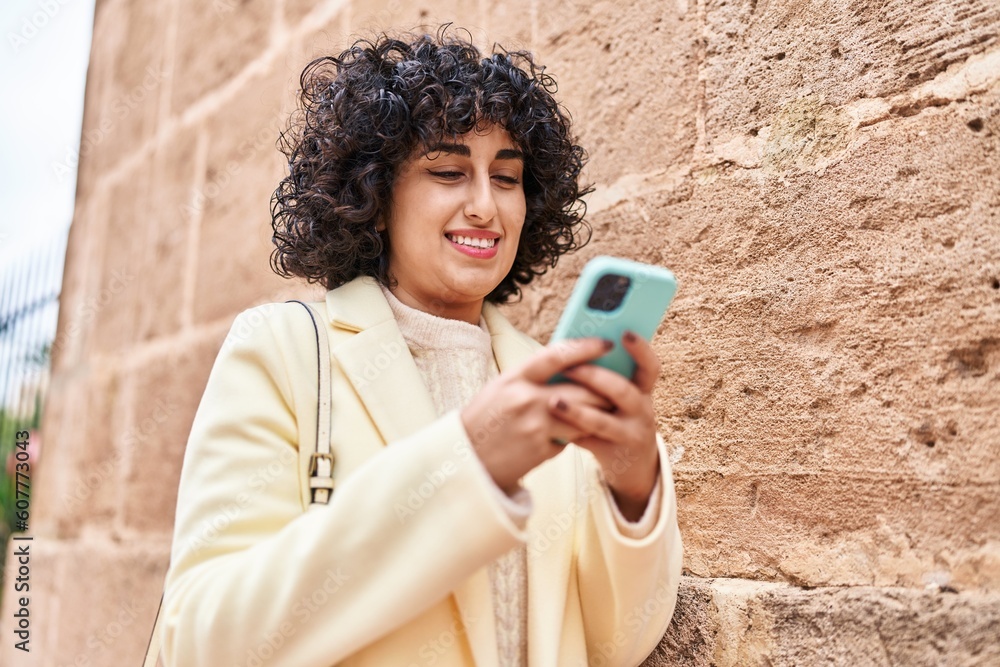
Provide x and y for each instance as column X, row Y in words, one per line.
column 510, row 346
column 377, row 361
column 474, row 600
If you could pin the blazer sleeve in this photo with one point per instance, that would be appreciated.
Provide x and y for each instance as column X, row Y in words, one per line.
column 628, row 585
column 252, row 574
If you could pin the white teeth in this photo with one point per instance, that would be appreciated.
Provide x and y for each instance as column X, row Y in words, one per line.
column 475, row 243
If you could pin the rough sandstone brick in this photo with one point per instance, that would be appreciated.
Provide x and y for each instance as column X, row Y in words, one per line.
column 167, row 219
column 108, row 598
column 627, row 72
column 692, row 636
column 378, row 15
column 829, row 529
column 90, row 495
column 112, row 304
column 724, row 623
column 133, row 76
column 510, row 24
column 233, row 199
column 295, row 11
column 760, row 56
column 329, row 39
column 79, row 264
column 161, row 406
column 203, row 61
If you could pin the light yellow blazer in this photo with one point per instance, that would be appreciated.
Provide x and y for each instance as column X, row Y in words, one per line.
column 394, row 570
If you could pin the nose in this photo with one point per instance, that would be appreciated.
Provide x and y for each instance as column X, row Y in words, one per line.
column 480, row 204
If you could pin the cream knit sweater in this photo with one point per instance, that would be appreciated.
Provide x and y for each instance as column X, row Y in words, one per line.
column 455, row 359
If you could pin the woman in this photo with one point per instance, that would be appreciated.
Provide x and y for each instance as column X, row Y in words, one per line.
column 426, row 184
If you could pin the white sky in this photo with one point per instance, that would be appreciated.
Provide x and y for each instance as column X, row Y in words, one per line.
column 44, row 52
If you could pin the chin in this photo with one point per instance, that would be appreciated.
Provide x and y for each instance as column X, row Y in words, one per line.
column 471, row 295
column 474, row 287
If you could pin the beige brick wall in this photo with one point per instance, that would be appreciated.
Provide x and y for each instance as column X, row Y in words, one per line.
column 823, row 177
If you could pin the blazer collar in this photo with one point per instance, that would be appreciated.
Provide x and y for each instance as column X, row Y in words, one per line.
column 358, row 305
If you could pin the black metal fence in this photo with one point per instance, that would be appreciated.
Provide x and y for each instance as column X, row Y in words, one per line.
column 30, row 282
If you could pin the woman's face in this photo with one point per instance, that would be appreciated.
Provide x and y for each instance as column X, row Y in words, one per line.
column 456, row 217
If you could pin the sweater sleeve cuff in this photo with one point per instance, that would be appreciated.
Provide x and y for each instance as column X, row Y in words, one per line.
column 642, row 527
column 518, row 506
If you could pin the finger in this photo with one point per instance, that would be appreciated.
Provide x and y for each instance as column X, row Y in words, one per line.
column 563, row 434
column 555, row 357
column 578, row 393
column 647, row 364
column 595, row 423
column 621, row 393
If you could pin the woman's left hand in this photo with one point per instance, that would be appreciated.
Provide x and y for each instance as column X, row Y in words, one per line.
column 623, row 439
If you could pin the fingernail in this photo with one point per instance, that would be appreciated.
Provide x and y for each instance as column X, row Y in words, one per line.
column 608, row 344
column 629, row 337
column 561, row 405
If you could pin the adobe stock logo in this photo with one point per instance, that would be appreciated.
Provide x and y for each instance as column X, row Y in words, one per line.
column 35, row 23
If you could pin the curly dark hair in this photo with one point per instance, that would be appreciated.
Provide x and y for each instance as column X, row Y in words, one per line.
column 364, row 113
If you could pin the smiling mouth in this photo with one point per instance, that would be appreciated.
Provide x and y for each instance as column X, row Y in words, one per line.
column 472, row 242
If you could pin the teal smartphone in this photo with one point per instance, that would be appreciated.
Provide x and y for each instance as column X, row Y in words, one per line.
column 613, row 295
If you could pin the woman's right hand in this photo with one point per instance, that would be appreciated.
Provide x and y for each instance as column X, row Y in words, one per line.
column 509, row 422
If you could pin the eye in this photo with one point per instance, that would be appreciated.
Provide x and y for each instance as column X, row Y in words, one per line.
column 447, row 175
column 507, row 180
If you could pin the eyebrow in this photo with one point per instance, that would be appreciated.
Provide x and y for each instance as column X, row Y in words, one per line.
column 463, row 150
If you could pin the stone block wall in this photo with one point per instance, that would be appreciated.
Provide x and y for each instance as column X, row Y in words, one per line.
column 824, row 179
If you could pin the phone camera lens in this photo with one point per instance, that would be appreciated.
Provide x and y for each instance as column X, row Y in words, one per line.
column 609, row 292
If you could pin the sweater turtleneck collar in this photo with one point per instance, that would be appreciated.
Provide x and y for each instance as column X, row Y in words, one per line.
column 426, row 331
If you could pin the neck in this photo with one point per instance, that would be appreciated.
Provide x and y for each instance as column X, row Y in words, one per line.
column 467, row 311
